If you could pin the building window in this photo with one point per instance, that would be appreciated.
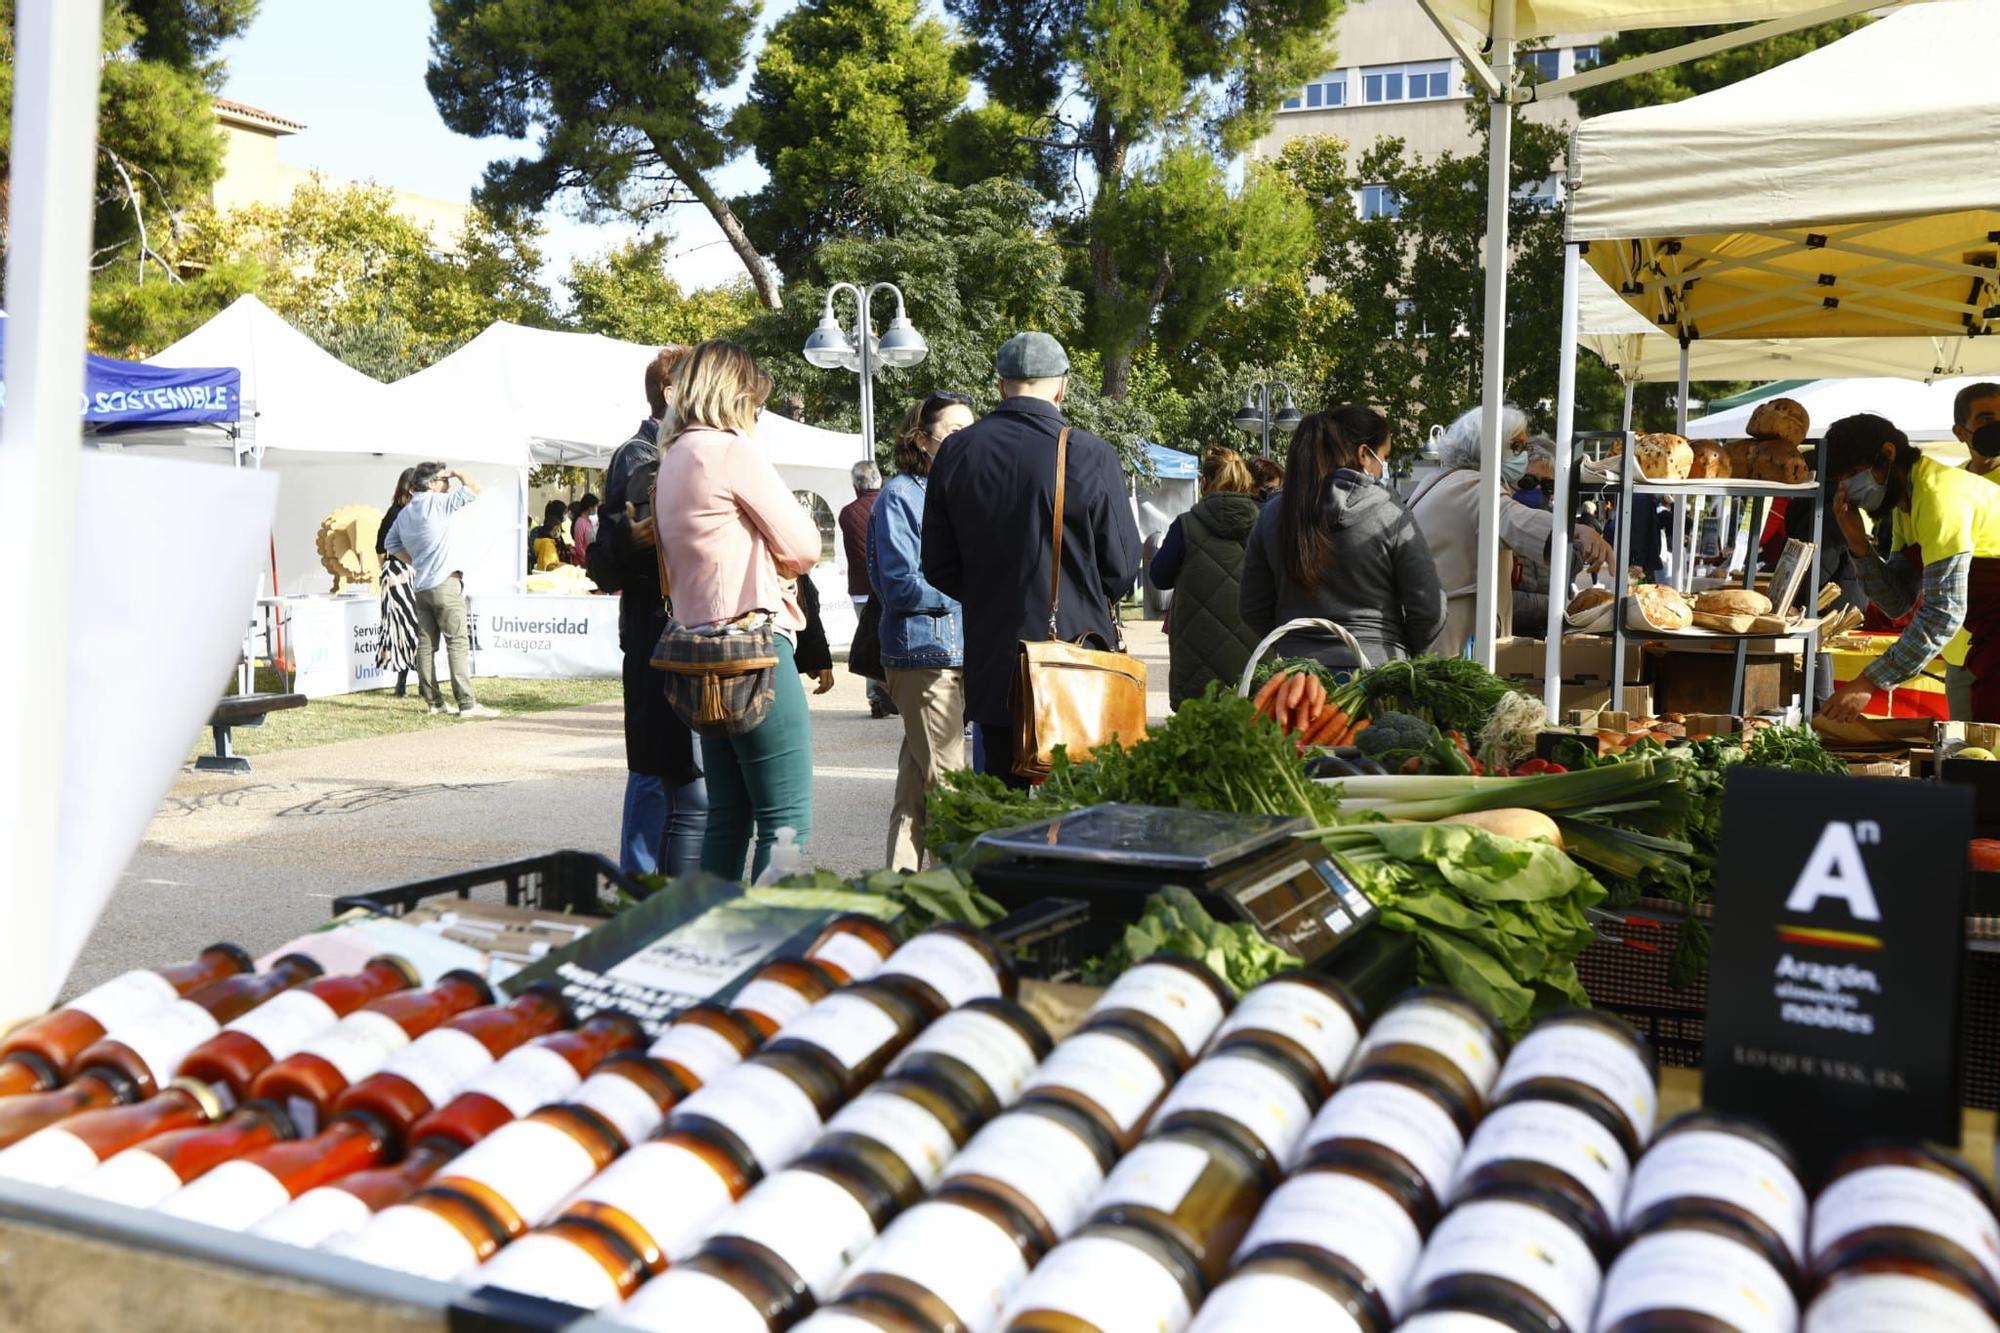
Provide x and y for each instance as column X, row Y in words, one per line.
column 1378, row 201
column 1545, row 195
column 1420, row 82
column 1330, row 91
column 1585, row 57
column 1547, row 65
column 1292, row 104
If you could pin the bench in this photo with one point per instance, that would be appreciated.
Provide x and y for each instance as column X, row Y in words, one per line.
column 240, row 710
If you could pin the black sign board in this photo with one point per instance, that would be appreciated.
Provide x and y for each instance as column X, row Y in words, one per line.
column 1834, row 977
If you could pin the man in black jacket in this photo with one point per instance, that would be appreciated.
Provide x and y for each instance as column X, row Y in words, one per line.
column 987, row 532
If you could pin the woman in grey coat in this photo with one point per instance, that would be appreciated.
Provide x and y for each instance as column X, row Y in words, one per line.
column 1336, row 544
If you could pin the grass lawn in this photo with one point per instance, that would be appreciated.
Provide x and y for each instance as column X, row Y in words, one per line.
column 346, row 717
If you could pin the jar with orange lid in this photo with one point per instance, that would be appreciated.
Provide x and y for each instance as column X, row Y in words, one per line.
column 1589, row 1056
column 991, row 1045
column 906, row 1128
column 809, row 1222
column 1727, row 1169
column 41, row 1054
column 852, row 946
column 780, row 991
column 859, row 1028
column 249, row 1045
column 1117, row 1075
column 771, row 1106
column 1695, row 1276
column 949, row 965
column 1511, row 1247
column 1439, row 1037
column 663, row 1196
column 1195, row 1188
column 1314, row 1019
column 1046, row 1159
column 1397, row 1124
column 1557, row 1142
column 1887, row 1291
column 323, row 1217
column 717, row 1293
column 143, row 1176
column 1285, row 1291
column 1177, row 1001
column 1363, row 1226
column 954, row 1260
column 245, row 1190
column 533, row 1075
column 1906, row 1198
column 1106, row 1279
column 63, row 1154
column 705, row 1040
column 1257, row 1095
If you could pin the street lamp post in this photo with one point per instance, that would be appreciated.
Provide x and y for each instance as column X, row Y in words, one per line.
column 833, row 348
column 1255, row 414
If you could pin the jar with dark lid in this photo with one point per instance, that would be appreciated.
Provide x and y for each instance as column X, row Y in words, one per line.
column 1196, row 1189
column 852, row 946
column 1400, row 1125
column 1176, row 1000
column 705, row 1040
column 711, row 1291
column 1363, row 1226
column 572, row 1260
column 860, row 1028
column 951, row 964
column 1108, row 1278
column 1476, row 1312
column 1511, row 1247
column 1278, row 1291
column 991, row 1044
column 906, row 1128
column 1557, row 1142
column 662, row 1197
column 1256, row 1095
column 1045, row 1158
column 1117, row 1075
column 809, row 1222
column 1727, row 1169
column 1899, row 1292
column 444, row 1235
column 771, row 1106
column 1695, row 1276
column 780, row 991
column 634, row 1093
column 522, row 1172
column 1437, row 1036
column 860, row 1317
column 1313, row 1019
column 1910, row 1199
column 1596, row 1057
column 954, row 1260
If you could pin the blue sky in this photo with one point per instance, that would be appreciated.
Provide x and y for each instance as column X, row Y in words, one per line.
column 353, row 73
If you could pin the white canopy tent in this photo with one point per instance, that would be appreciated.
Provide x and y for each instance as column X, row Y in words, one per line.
column 1921, row 411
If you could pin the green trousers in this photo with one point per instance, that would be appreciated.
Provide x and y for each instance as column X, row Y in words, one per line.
column 761, row 780
column 441, row 611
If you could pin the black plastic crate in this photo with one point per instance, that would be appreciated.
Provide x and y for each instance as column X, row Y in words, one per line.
column 553, row 882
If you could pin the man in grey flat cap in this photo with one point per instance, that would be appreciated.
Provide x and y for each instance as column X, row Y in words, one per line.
column 988, row 527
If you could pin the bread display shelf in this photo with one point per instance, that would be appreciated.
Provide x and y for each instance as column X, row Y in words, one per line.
column 1726, row 487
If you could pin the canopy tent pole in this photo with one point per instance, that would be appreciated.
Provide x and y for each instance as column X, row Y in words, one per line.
column 1681, row 507
column 57, row 52
column 1499, row 172
column 1559, row 504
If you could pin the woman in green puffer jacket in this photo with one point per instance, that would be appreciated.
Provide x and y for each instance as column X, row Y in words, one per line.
column 1201, row 560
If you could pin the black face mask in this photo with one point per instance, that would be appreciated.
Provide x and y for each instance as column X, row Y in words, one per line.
column 1986, row 440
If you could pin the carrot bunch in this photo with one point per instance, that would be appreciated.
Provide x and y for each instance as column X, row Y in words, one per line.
column 1298, row 701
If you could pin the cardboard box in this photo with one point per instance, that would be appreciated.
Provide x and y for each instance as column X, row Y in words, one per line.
column 1594, row 696
column 1585, row 657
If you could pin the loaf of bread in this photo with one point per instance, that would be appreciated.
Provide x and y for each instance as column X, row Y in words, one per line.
column 1710, row 462
column 1657, row 606
column 1732, row 602
column 1589, row 600
column 1664, row 457
column 1780, row 419
column 1767, row 460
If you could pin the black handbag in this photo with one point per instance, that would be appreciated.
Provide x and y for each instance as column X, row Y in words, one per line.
column 864, row 655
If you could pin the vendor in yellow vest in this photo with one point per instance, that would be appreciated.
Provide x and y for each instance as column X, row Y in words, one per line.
column 1974, row 407
column 1944, row 547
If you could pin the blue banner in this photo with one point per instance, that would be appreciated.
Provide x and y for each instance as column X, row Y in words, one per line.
column 132, row 393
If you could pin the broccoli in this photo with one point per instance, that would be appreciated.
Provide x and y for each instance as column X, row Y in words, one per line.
column 1395, row 735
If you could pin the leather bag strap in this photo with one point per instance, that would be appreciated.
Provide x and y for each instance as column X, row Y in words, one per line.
column 1055, row 554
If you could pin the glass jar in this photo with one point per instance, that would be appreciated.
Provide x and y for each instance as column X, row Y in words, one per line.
column 544, row 1071
column 1908, row 1198
column 1118, row 1076
column 860, row 1317
column 1285, row 1291
column 662, row 1197
column 1364, row 1227
column 1106, row 1279
column 1398, row 1123
column 323, row 1217
column 572, row 1260
column 954, row 1260
column 716, row 1293
column 1696, row 1276
column 859, row 1029
column 1482, row 1311
column 524, row 1170
column 906, row 1128
column 1198, row 1189
column 1176, row 1001
column 1592, row 1056
column 779, row 992
column 440, row 1235
column 1728, row 1169
column 1555, row 1142
column 1257, row 1095
column 949, row 965
column 143, row 1176
column 1514, row 1247
column 990, row 1045
column 41, row 1054
column 1899, row 1292
column 307, row 1082
column 249, row 1045
column 704, row 1041
column 1047, row 1159
column 770, row 1107
column 1436, row 1036
column 809, row 1222
column 1313, row 1019
column 245, row 1190
column 634, row 1093
column 63, row 1154
column 28, row 1113
column 852, row 946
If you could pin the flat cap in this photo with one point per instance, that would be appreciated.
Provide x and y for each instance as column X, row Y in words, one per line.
column 1031, row 356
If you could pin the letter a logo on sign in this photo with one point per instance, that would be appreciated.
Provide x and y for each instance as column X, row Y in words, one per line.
column 1834, row 870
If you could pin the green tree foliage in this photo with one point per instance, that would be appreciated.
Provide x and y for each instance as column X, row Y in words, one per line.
column 627, row 293
column 621, row 93
column 844, row 90
column 1678, row 82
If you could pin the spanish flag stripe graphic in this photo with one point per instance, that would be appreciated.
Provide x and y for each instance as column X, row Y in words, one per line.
column 1828, row 939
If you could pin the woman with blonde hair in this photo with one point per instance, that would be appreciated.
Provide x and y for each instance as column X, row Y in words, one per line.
column 1201, row 561
column 733, row 539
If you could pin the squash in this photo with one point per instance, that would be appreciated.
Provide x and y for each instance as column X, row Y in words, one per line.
column 1510, row 822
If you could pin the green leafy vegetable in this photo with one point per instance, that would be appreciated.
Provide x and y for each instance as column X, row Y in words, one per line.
column 1450, row 693
column 918, row 900
column 1175, row 922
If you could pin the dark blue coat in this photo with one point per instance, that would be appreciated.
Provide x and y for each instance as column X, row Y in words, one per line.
column 987, row 530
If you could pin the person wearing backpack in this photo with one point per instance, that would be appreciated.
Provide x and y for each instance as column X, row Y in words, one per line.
column 666, row 798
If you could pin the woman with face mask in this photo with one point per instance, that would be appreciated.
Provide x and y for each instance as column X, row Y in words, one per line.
column 1942, row 556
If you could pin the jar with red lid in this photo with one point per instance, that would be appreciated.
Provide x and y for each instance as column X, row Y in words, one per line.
column 1439, row 1037
column 704, row 1041
column 1558, row 1142
column 859, row 1029
column 1313, row 1019
column 1363, row 1226
column 771, row 1107
column 1395, row 1124
column 64, row 1153
column 852, row 946
column 1196, row 1189
column 1046, row 1159
column 780, row 991
column 1105, row 1279
column 1726, row 1169
column 1177, row 1001
column 231, row 1059
column 1511, row 1247
column 990, row 1045
column 1115, row 1074
column 951, row 964
column 1257, row 1095
column 1589, row 1056
column 954, row 1260
column 1697, row 1276
column 1286, row 1291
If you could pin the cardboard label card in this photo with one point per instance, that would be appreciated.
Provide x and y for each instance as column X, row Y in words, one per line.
column 1834, row 978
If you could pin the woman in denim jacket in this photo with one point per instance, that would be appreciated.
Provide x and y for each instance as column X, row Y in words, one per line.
column 923, row 636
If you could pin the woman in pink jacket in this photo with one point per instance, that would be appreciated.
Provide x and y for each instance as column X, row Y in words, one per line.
column 734, row 539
